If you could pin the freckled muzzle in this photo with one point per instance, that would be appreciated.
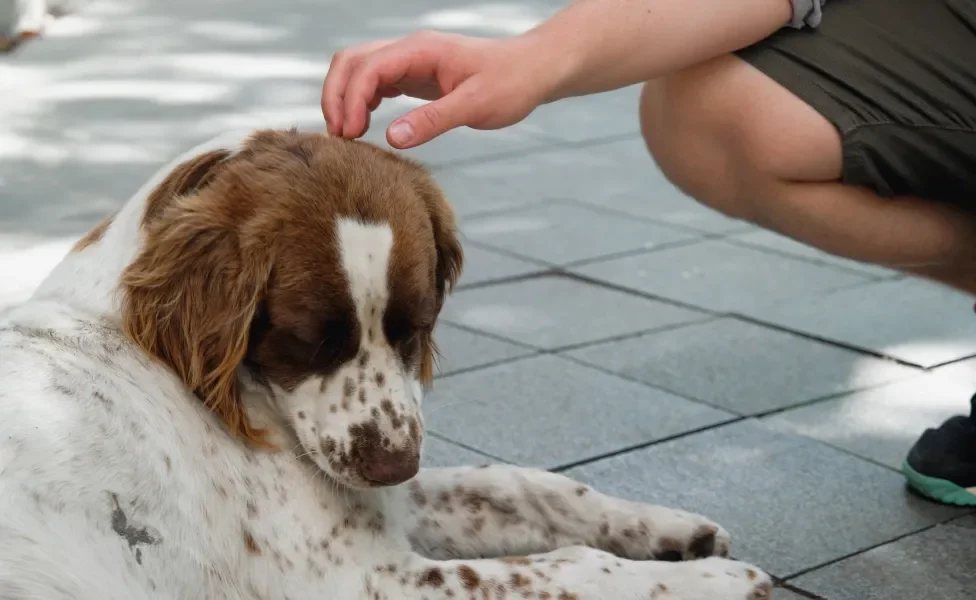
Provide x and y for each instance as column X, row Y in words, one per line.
column 374, row 435
column 376, row 459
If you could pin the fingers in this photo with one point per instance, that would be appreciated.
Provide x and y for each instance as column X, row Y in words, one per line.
column 341, row 68
column 413, row 58
column 433, row 119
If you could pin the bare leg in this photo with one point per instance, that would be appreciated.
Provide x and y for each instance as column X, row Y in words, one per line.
column 717, row 132
column 496, row 511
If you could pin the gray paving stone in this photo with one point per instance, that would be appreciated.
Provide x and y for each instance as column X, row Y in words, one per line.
column 590, row 117
column 560, row 233
column 649, row 193
column 934, row 565
column 555, row 311
column 462, row 349
column 790, row 503
column 909, row 319
column 616, row 176
column 964, row 371
column 767, row 239
column 720, row 276
column 438, row 453
column 481, row 265
column 741, row 367
column 785, row 594
column 546, row 412
column 881, row 424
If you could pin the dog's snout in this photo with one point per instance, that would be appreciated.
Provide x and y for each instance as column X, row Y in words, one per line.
column 389, row 467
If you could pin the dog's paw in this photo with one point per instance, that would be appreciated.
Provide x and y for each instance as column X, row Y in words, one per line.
column 647, row 532
column 714, row 579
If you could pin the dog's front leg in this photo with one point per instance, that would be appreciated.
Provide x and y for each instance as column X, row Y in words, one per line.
column 576, row 573
column 476, row 512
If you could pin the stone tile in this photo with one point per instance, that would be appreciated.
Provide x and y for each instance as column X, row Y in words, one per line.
column 546, row 411
column 913, row 320
column 741, row 367
column 785, row 594
column 964, row 371
column 650, row 194
column 481, row 265
column 555, row 311
column 590, row 117
column 560, row 233
column 719, row 276
column 25, row 261
column 789, row 502
column 761, row 238
column 618, row 176
column 933, row 565
column 881, row 424
column 462, row 349
column 439, row 453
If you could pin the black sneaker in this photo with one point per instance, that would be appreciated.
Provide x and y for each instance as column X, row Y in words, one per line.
column 942, row 463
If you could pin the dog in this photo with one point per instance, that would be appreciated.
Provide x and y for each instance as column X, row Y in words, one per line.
column 216, row 395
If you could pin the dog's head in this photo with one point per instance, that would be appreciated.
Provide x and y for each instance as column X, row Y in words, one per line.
column 317, row 266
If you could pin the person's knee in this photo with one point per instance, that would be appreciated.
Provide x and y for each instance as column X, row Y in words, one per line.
column 691, row 146
column 716, row 131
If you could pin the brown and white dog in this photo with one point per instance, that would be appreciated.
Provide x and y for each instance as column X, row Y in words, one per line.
column 217, row 395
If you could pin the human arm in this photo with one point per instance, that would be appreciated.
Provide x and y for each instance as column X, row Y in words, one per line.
column 589, row 47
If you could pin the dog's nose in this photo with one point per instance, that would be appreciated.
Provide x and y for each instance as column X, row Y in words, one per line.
column 389, row 467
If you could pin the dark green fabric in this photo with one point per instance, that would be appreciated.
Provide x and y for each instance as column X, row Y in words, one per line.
column 898, row 80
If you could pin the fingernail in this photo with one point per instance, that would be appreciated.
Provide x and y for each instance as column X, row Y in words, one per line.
column 401, row 133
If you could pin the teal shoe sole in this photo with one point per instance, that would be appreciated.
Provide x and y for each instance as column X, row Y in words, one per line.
column 939, row 490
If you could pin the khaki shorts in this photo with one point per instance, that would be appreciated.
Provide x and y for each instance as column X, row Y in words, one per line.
column 897, row 78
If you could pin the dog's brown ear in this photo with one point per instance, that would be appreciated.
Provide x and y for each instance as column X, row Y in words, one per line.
column 190, row 295
column 450, row 261
column 450, row 255
column 186, row 178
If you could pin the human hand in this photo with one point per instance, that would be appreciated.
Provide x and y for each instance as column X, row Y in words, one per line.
column 474, row 82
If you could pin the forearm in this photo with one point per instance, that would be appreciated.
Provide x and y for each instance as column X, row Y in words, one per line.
column 600, row 45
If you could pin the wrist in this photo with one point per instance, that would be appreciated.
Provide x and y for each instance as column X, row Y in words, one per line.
column 556, row 62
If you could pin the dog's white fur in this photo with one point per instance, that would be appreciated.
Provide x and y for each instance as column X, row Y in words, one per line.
column 116, row 483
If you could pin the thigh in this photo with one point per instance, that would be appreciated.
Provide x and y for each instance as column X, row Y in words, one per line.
column 897, row 81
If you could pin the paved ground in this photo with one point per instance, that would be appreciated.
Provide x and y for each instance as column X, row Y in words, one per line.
column 607, row 327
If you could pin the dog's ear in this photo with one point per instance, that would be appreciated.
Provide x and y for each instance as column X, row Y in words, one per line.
column 190, row 295
column 450, row 260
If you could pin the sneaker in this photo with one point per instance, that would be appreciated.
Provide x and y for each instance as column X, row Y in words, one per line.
column 942, row 463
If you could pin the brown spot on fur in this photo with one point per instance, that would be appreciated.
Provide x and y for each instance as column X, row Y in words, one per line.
column 752, row 574
column 250, row 544
column 432, row 577
column 348, row 387
column 301, row 415
column 362, row 395
column 417, row 494
column 582, row 490
column 703, row 542
column 516, row 560
column 469, row 577
column 669, row 550
column 517, row 580
column 564, row 595
column 95, row 235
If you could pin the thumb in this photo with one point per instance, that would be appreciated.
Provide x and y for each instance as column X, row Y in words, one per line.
column 430, row 120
